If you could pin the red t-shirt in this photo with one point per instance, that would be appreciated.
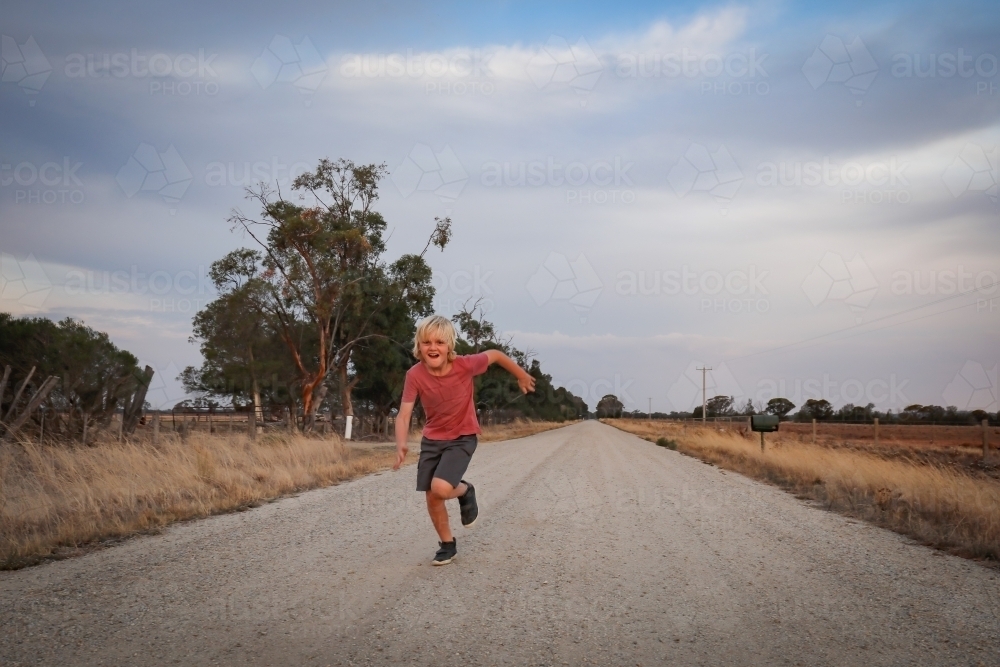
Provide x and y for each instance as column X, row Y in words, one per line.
column 447, row 399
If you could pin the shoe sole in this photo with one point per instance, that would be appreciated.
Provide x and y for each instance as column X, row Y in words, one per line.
column 470, row 525
column 442, row 562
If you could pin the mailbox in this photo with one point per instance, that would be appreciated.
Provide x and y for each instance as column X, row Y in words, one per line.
column 764, row 423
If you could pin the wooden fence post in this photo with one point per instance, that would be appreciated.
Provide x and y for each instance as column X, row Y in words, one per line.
column 876, row 430
column 814, row 431
column 84, row 439
column 121, row 426
column 3, row 383
column 156, row 428
column 211, row 428
column 33, row 403
column 17, row 395
column 986, row 440
column 252, row 422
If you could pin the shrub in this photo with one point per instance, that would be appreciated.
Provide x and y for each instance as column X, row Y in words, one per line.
column 666, row 442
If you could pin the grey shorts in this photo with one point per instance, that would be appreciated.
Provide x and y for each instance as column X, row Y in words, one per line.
column 447, row 459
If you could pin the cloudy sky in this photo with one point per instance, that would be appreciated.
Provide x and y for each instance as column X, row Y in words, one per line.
column 803, row 199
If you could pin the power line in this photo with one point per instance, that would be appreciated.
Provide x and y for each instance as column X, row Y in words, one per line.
column 892, row 324
column 877, row 319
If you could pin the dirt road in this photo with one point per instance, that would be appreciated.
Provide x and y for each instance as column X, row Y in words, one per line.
column 594, row 547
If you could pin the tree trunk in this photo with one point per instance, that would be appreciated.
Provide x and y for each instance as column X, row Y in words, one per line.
column 309, row 420
column 133, row 405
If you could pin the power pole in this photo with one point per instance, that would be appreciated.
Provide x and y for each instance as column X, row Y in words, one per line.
column 703, row 402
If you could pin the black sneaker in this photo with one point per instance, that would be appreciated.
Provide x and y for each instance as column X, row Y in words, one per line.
column 447, row 551
column 467, row 505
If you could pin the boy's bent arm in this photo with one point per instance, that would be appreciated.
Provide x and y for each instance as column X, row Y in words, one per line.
column 402, row 432
column 524, row 380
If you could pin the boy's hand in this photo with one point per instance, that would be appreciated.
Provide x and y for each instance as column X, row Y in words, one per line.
column 525, row 382
column 400, row 455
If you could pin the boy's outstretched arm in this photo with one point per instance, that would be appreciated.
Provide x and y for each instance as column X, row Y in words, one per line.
column 524, row 381
column 402, row 432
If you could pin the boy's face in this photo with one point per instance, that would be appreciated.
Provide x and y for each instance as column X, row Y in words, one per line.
column 434, row 350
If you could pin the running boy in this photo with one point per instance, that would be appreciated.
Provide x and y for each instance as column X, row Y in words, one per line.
column 443, row 381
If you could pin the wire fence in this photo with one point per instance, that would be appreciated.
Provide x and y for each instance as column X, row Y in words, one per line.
column 182, row 422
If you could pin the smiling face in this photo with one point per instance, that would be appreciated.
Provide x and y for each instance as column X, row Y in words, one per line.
column 434, row 350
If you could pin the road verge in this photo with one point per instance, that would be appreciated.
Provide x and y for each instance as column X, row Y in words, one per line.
column 938, row 506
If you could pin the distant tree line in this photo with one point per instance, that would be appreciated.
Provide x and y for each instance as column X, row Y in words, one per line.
column 95, row 378
column 823, row 410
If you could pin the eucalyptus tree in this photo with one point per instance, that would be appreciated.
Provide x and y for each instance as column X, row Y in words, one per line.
column 318, row 277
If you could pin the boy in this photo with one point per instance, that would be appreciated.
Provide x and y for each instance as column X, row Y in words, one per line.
column 443, row 381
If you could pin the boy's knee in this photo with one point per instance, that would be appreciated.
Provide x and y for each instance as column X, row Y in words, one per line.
column 441, row 489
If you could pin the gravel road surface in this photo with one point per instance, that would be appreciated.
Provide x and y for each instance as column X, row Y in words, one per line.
column 593, row 547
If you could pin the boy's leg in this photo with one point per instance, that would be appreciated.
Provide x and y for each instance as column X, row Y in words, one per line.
column 436, row 497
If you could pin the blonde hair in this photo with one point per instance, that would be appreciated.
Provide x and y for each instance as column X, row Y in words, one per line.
column 435, row 323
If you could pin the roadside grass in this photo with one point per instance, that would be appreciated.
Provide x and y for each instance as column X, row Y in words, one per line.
column 938, row 506
column 58, row 497
column 57, row 500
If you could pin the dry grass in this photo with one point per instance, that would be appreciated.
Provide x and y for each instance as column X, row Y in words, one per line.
column 939, row 506
column 55, row 498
